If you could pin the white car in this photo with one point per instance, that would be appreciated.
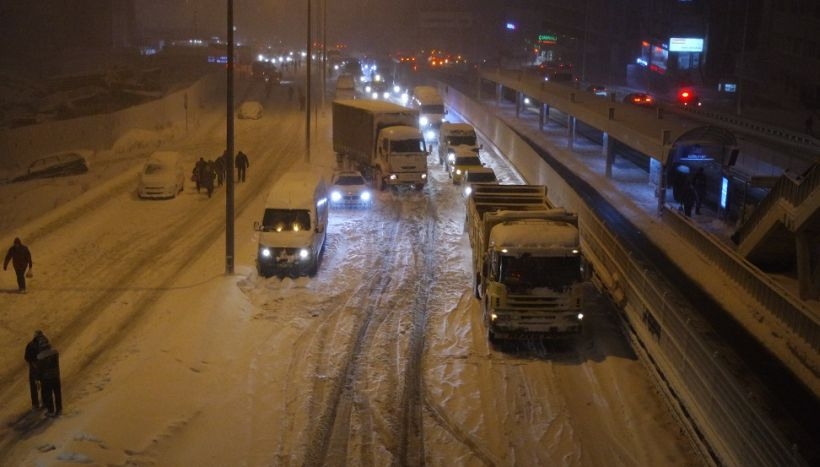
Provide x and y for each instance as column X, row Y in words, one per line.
column 475, row 175
column 162, row 176
column 250, row 110
column 349, row 189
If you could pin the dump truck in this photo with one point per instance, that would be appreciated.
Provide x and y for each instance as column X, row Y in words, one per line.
column 383, row 140
column 527, row 263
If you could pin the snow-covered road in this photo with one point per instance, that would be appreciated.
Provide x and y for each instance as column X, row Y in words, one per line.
column 381, row 359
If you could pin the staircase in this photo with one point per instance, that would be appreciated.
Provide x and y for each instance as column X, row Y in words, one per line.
column 783, row 232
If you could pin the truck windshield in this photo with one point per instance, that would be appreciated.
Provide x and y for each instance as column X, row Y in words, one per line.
column 530, row 271
column 285, row 220
column 407, row 145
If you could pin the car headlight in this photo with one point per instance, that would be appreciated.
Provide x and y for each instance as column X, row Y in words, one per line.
column 423, row 121
column 458, row 171
column 580, row 316
column 393, row 177
column 468, row 190
column 304, row 253
column 385, row 95
column 367, row 89
column 335, row 196
column 265, row 252
column 451, row 157
column 374, row 95
column 365, row 196
column 396, row 88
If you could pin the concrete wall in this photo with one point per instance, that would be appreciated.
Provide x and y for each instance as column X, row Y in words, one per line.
column 20, row 146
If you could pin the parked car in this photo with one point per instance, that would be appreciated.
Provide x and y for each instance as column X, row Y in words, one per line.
column 349, row 188
column 640, row 98
column 162, row 176
column 250, row 110
column 57, row 165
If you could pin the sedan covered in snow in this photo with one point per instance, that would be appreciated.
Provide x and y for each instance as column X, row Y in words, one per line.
column 250, row 110
column 162, row 176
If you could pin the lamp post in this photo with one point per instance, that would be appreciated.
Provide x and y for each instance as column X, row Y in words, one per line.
column 307, row 88
column 229, row 147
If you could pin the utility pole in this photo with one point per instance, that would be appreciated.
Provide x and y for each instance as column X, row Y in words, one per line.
column 229, row 208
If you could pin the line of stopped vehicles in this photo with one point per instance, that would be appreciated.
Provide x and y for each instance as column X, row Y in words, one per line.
column 527, row 264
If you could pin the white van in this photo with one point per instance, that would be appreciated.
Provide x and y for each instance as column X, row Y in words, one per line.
column 162, row 176
column 293, row 229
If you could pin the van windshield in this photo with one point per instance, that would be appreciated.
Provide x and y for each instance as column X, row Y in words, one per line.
column 286, row 220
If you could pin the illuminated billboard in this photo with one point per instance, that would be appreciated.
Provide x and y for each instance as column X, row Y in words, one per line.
column 685, row 44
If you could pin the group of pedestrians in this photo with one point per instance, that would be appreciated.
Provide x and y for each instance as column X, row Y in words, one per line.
column 211, row 173
column 692, row 192
column 44, row 375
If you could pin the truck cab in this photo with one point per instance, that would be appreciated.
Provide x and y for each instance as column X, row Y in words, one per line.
column 452, row 135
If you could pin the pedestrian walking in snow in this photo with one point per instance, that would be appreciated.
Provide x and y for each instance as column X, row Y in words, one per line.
column 199, row 171
column 32, row 349
column 219, row 168
column 699, row 183
column 242, row 165
column 48, row 364
column 208, row 176
column 20, row 258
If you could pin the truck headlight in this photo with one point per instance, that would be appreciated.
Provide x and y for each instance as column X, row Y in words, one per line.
column 458, row 171
column 580, row 316
column 393, row 177
column 423, row 121
column 265, row 252
column 424, row 176
column 304, row 253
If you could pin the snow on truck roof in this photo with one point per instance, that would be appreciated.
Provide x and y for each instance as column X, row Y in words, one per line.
column 457, row 128
column 534, row 233
column 374, row 105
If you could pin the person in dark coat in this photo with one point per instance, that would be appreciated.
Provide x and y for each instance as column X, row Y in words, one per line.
column 208, row 175
column 699, row 182
column 32, row 349
column 199, row 170
column 689, row 196
column 241, row 164
column 48, row 363
column 20, row 258
column 219, row 168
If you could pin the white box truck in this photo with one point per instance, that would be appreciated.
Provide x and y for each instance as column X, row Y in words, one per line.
column 383, row 140
column 293, row 229
column 527, row 263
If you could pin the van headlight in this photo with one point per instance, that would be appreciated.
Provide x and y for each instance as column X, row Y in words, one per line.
column 365, row 196
column 336, row 196
column 304, row 253
column 265, row 252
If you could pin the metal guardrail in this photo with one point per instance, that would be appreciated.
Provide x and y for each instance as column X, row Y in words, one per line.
column 699, row 369
column 795, row 192
column 801, row 320
column 781, row 134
